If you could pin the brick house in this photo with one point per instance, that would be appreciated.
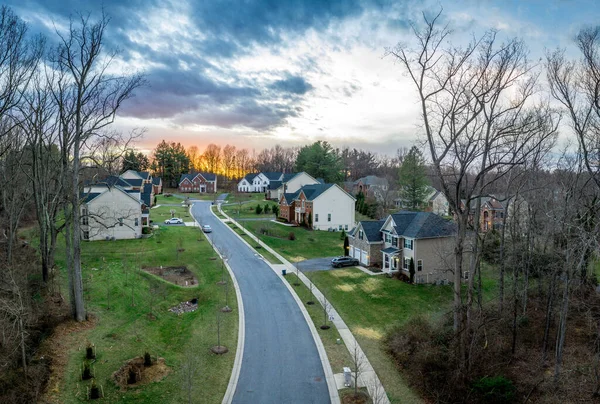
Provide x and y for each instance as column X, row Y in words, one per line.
column 204, row 183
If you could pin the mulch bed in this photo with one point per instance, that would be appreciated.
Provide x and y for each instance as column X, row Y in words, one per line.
column 177, row 275
column 134, row 374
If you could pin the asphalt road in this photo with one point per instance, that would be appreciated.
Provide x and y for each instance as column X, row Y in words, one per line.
column 315, row 264
column 280, row 363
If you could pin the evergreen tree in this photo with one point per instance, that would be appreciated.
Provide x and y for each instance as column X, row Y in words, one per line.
column 413, row 180
column 135, row 161
column 320, row 160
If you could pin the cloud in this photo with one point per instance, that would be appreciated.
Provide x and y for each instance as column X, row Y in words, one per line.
column 292, row 84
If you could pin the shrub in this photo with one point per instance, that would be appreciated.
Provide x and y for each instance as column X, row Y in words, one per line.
column 343, row 235
column 275, row 210
column 146, row 230
column 266, row 209
column 292, row 236
column 402, row 277
column 258, row 209
column 495, row 390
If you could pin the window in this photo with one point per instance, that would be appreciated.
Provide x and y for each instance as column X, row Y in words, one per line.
column 419, row 265
column 408, row 244
column 360, row 234
column 329, row 217
column 406, row 263
column 316, row 217
column 388, row 238
column 346, row 227
column 84, row 219
column 340, row 227
column 86, row 235
column 136, row 222
column 120, row 221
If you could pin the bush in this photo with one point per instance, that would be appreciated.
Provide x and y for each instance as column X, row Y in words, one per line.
column 258, row 209
column 266, row 209
column 402, row 277
column 276, row 210
column 146, row 230
column 343, row 235
column 292, row 236
column 495, row 390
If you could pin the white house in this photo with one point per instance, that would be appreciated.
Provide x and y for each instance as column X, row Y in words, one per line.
column 110, row 212
column 319, row 206
column 438, row 203
column 133, row 175
column 290, row 183
column 258, row 182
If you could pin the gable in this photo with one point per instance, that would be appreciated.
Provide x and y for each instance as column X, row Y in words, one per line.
column 333, row 189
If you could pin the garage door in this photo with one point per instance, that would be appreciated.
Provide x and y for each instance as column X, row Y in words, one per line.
column 351, row 251
column 356, row 254
column 364, row 258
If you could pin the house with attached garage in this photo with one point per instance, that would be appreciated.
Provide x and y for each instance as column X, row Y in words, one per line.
column 203, row 183
column 145, row 176
column 110, row 213
column 423, row 237
column 319, row 207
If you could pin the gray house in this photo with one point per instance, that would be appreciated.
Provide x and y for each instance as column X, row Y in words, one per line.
column 390, row 244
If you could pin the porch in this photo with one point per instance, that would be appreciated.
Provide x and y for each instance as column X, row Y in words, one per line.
column 391, row 259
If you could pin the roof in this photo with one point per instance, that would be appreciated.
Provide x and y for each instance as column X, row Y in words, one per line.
column 372, row 180
column 372, row 229
column 288, row 176
column 144, row 174
column 113, row 180
column 290, row 196
column 320, row 180
column 273, row 176
column 390, row 250
column 184, row 176
column 208, row 176
column 313, row 191
column 422, row 225
column 88, row 197
column 135, row 182
column 274, row 184
column 249, row 177
column 147, row 194
column 156, row 181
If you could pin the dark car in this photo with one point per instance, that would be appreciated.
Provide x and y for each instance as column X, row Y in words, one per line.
column 338, row 262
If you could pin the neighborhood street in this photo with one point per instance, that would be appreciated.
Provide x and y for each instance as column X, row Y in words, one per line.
column 280, row 362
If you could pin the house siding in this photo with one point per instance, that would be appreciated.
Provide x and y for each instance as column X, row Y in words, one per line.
column 373, row 250
column 438, row 259
column 339, row 205
column 105, row 212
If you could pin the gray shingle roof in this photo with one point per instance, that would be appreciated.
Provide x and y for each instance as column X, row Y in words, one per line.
column 290, row 196
column 372, row 180
column 288, row 176
column 136, row 182
column 372, row 229
column 422, row 225
column 184, row 176
column 89, row 196
column 249, row 177
column 208, row 176
column 273, row 176
column 143, row 174
column 390, row 250
column 156, row 180
column 274, row 184
column 113, row 180
column 314, row 190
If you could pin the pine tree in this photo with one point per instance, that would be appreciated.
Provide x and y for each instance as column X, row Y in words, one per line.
column 413, row 180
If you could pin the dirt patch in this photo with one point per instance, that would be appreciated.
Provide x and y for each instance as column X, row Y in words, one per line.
column 57, row 347
column 368, row 333
column 360, row 398
column 180, row 276
column 134, row 374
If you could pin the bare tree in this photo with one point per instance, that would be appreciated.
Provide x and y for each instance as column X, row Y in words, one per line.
column 88, row 98
column 358, row 365
column 190, row 369
column 479, row 121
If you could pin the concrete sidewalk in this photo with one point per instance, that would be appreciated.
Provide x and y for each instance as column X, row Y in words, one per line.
column 368, row 377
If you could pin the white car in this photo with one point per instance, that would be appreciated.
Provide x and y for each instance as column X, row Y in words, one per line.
column 174, row 220
column 206, row 228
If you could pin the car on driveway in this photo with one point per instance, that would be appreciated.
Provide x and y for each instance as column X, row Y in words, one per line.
column 174, row 220
column 339, row 262
column 206, row 228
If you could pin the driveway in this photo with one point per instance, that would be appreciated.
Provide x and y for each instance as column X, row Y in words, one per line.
column 316, row 264
column 280, row 363
column 222, row 197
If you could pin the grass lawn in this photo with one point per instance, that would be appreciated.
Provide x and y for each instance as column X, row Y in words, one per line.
column 124, row 331
column 372, row 306
column 247, row 210
column 162, row 213
column 308, row 243
column 265, row 253
column 235, row 197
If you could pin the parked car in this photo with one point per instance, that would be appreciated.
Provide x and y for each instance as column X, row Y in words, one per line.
column 206, row 228
column 174, row 220
column 338, row 262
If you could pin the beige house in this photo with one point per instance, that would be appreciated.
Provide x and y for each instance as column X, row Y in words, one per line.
column 424, row 237
column 110, row 213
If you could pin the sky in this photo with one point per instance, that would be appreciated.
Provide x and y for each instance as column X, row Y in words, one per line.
column 258, row 73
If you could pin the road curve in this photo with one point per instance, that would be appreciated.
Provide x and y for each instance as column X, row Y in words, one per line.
column 280, row 363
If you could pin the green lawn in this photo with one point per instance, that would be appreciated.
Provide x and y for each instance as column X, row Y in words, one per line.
column 247, row 210
column 160, row 214
column 124, row 331
column 308, row 243
column 235, row 197
column 372, row 306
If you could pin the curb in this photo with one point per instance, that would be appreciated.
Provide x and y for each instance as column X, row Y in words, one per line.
column 239, row 352
column 374, row 385
column 329, row 377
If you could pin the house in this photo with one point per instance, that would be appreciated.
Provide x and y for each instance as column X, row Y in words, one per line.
column 157, row 184
column 204, row 183
column 492, row 211
column 145, row 176
column 109, row 213
column 289, row 183
column 319, row 207
column 371, row 186
column 258, row 182
column 438, row 203
column 423, row 237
